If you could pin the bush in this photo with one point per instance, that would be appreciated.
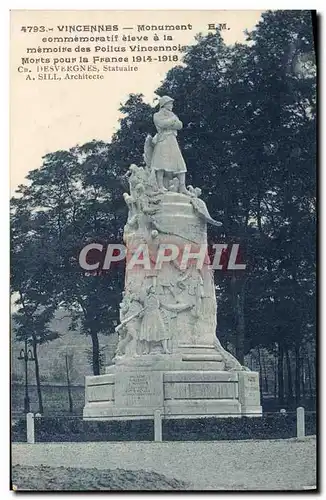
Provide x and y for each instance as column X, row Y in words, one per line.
column 76, row 429
column 18, row 430
column 269, row 426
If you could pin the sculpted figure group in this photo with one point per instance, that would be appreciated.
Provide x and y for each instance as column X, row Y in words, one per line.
column 142, row 328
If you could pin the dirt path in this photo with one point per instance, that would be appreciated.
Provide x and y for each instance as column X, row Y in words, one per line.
column 228, row 465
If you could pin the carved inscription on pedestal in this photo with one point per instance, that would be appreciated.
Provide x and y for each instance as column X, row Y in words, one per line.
column 249, row 394
column 139, row 389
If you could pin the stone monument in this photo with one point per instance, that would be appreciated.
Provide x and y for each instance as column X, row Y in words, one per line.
column 168, row 357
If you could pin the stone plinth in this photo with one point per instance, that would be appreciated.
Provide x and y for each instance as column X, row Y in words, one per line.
column 178, row 388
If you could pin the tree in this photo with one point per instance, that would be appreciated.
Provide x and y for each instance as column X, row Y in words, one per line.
column 32, row 282
column 71, row 205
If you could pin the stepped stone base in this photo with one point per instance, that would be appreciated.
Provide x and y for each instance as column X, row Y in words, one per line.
column 180, row 386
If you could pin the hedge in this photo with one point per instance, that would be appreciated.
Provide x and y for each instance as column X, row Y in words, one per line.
column 64, row 429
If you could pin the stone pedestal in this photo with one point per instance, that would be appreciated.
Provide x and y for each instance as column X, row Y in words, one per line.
column 178, row 386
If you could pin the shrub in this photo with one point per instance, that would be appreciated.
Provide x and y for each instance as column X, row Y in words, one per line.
column 18, row 430
column 76, row 429
column 63, row 428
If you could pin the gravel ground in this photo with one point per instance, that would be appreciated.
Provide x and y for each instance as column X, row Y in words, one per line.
column 215, row 465
column 67, row 478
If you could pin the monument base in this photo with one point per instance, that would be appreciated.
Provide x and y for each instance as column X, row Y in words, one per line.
column 186, row 386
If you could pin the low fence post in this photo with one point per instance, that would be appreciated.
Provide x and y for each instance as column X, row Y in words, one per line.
column 30, row 428
column 300, row 423
column 157, row 425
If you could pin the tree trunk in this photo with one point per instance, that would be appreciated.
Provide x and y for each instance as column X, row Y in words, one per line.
column 297, row 375
column 260, row 375
column 265, row 372
column 303, row 375
column 280, row 374
column 68, row 386
column 314, row 374
column 96, row 353
column 37, row 376
column 239, row 299
column 289, row 377
column 309, row 375
column 275, row 376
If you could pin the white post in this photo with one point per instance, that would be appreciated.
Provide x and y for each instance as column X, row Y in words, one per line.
column 300, row 423
column 30, row 428
column 157, row 425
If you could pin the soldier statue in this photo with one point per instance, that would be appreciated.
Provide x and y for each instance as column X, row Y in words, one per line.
column 162, row 153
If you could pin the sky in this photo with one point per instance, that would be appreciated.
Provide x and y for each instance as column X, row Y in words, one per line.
column 46, row 116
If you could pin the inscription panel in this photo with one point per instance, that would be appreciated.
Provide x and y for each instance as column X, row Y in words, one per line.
column 249, row 394
column 100, row 392
column 200, row 390
column 136, row 389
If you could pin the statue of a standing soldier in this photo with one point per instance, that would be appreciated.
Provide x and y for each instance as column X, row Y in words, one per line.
column 166, row 159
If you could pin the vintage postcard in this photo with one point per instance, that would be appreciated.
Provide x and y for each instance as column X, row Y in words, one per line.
column 163, row 250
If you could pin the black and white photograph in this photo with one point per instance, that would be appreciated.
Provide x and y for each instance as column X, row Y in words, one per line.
column 163, row 241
